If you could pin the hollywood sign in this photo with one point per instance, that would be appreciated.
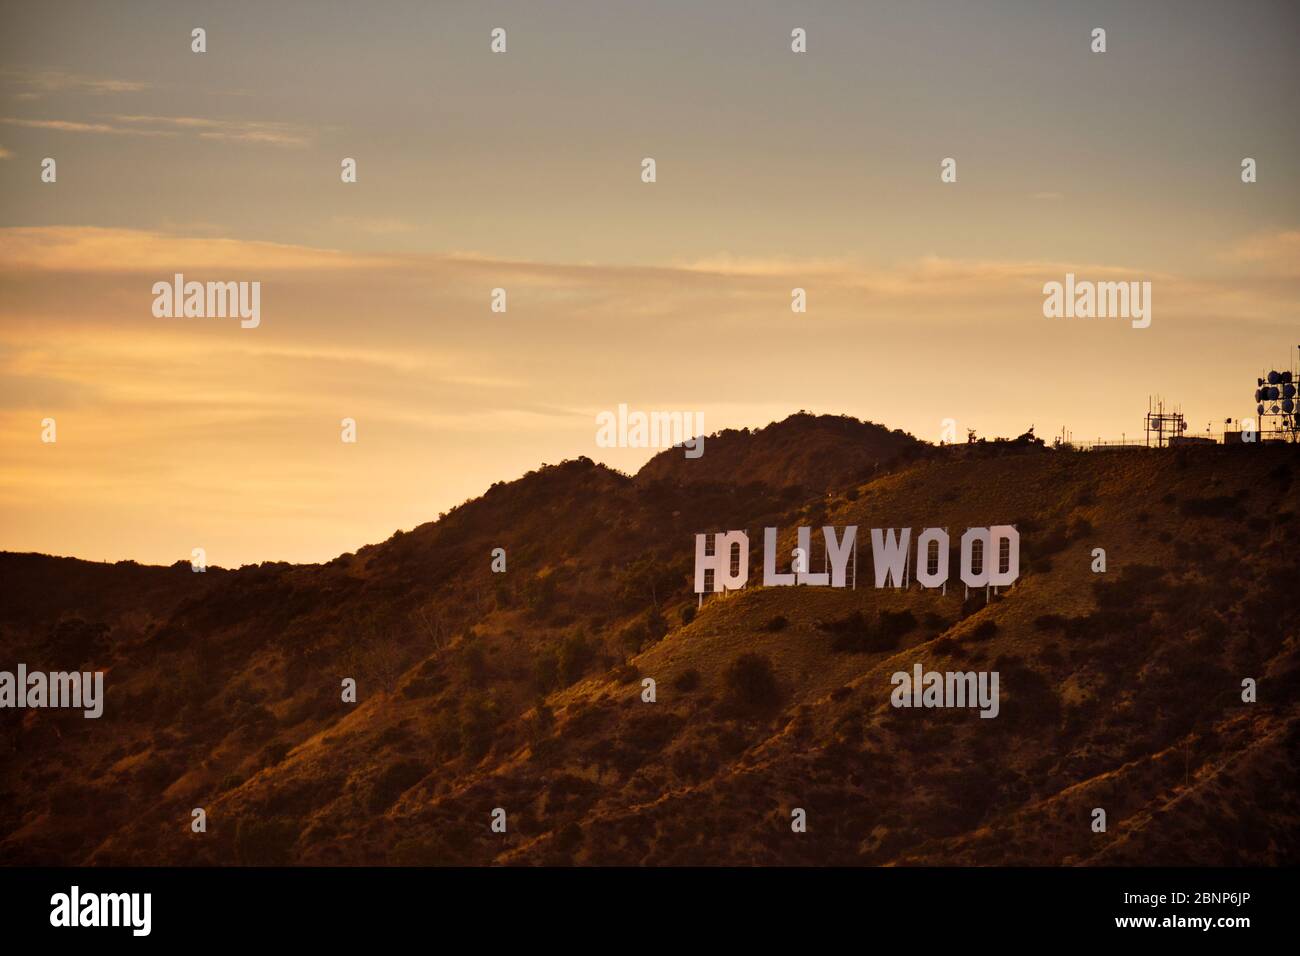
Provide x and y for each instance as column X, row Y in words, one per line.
column 990, row 557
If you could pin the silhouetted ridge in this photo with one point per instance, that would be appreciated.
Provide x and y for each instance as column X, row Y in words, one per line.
column 818, row 453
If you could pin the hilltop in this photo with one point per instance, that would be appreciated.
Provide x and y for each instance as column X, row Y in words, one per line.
column 807, row 452
column 523, row 690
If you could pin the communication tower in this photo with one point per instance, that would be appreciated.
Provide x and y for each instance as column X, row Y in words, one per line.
column 1277, row 403
column 1164, row 426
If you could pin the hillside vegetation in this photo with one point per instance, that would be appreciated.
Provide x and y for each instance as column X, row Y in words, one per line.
column 523, row 690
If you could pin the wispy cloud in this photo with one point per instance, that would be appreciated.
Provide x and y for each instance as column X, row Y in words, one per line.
column 725, row 264
column 1276, row 252
column 33, row 84
column 240, row 131
column 750, row 294
column 247, row 131
column 94, row 249
column 74, row 126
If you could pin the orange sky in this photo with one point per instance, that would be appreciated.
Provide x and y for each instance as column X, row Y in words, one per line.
column 521, row 171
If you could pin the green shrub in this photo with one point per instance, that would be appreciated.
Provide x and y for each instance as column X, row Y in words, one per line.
column 655, row 623
column 896, row 624
column 575, row 656
column 265, row 842
column 274, row 752
column 473, row 662
column 479, row 718
column 687, row 680
column 633, row 637
column 854, row 634
column 751, row 685
column 392, row 782
column 1216, row 507
column 539, row 594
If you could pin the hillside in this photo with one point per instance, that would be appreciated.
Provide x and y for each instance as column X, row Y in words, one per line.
column 523, row 690
column 810, row 453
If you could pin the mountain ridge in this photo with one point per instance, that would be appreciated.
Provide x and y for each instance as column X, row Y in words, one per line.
column 523, row 690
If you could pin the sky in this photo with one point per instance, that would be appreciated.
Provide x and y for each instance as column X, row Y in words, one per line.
column 522, row 170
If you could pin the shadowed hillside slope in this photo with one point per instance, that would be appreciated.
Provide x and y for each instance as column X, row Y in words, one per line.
column 523, row 690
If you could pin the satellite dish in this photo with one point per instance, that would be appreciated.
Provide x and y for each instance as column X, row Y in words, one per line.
column 1288, row 390
column 1259, row 409
column 1275, row 410
column 1274, row 378
column 1287, row 405
column 1286, row 376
